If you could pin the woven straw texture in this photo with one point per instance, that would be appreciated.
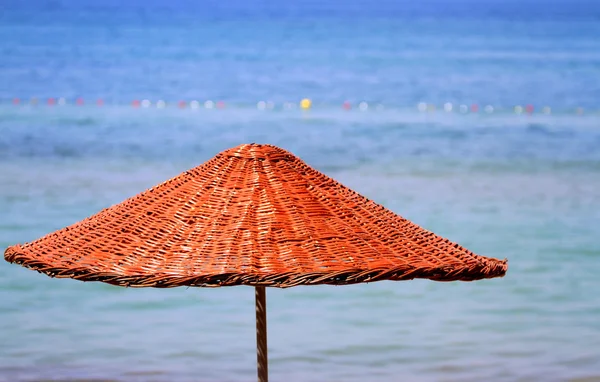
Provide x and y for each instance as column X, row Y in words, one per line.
column 252, row 215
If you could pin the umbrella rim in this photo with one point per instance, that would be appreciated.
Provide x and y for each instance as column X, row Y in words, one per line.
column 483, row 269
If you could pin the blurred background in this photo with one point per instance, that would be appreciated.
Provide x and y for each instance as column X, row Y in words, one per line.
column 476, row 119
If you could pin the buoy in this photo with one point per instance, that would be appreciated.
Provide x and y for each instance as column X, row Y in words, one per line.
column 347, row 105
column 16, row 101
column 546, row 110
column 79, row 101
column 305, row 104
column 34, row 101
column 474, row 108
column 62, row 101
column 181, row 104
column 448, row 107
column 489, row 109
column 363, row 106
column 194, row 104
column 51, row 102
column 100, row 102
column 160, row 104
column 422, row 106
column 529, row 109
column 209, row 104
column 220, row 104
column 146, row 103
column 518, row 109
column 135, row 103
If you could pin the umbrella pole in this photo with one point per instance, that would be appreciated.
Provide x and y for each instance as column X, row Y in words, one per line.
column 261, row 334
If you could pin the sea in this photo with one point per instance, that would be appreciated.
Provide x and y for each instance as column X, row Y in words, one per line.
column 478, row 120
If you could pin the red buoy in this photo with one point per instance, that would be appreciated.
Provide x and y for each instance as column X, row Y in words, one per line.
column 51, row 101
column 79, row 101
column 135, row 103
column 529, row 109
column 100, row 102
column 16, row 101
column 221, row 105
column 474, row 108
column 347, row 105
column 181, row 104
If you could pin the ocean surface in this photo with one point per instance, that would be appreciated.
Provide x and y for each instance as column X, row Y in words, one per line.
column 506, row 181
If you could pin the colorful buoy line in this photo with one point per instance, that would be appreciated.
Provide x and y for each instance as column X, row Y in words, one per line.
column 304, row 104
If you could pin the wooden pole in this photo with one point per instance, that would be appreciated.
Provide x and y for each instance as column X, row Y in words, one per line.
column 261, row 335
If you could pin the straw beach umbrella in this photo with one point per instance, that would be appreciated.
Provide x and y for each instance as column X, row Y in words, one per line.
column 253, row 215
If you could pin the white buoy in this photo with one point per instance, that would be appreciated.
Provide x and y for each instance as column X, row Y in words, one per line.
column 448, row 107
column 209, row 104
column 146, row 103
column 160, row 104
column 422, row 107
column 363, row 106
column 194, row 104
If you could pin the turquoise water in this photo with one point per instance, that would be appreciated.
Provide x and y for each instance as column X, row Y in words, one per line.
column 525, row 187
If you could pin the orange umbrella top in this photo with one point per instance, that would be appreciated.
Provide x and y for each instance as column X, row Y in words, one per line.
column 253, row 215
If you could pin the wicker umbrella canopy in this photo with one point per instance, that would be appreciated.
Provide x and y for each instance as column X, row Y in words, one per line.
column 252, row 215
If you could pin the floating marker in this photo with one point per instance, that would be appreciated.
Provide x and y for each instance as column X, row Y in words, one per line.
column 305, row 104
column 529, row 109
